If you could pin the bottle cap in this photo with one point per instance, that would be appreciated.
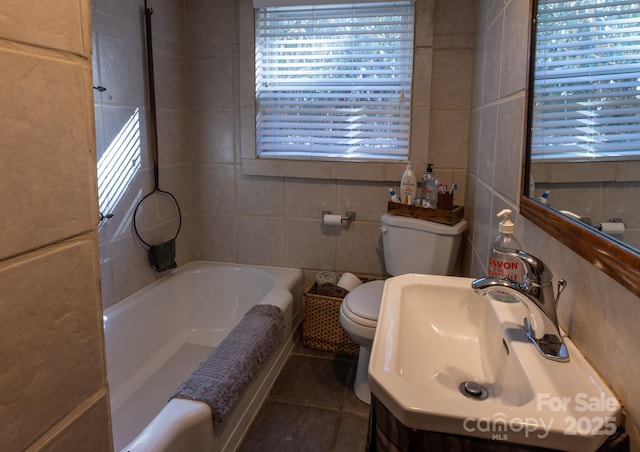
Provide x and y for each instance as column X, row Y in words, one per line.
column 506, row 226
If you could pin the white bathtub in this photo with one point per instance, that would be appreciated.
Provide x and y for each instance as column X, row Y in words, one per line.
column 156, row 337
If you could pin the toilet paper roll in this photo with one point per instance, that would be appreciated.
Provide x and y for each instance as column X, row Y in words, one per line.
column 614, row 229
column 335, row 220
column 326, row 278
column 349, row 281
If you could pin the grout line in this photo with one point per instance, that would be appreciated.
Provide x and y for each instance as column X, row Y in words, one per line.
column 312, row 353
column 306, row 405
column 336, row 431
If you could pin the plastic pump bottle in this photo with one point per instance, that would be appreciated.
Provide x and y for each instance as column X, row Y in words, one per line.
column 393, row 195
column 429, row 187
column 502, row 266
column 408, row 185
column 544, row 198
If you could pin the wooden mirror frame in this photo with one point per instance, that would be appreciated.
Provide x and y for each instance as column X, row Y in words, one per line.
column 611, row 257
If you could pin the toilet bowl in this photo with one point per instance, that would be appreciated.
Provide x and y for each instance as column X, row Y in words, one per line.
column 410, row 246
column 359, row 317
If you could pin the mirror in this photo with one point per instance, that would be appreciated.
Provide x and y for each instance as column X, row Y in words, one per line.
column 591, row 170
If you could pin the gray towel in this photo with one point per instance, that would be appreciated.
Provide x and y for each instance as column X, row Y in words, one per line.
column 162, row 257
column 220, row 380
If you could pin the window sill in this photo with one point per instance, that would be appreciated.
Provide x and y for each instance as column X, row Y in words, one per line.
column 313, row 169
column 576, row 172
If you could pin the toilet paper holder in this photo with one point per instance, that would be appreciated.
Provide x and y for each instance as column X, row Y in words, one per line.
column 348, row 217
column 611, row 220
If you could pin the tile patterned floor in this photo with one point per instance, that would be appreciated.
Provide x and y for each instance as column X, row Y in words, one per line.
column 311, row 407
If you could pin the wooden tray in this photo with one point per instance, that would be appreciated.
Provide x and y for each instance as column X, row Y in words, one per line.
column 449, row 217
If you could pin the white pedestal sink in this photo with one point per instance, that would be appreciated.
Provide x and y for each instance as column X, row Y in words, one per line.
column 435, row 334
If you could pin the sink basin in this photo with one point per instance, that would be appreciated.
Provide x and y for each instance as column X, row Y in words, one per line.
column 445, row 359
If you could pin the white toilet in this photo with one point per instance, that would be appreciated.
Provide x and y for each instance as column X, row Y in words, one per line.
column 410, row 246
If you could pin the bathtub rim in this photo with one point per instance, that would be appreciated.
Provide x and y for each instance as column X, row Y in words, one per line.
column 288, row 273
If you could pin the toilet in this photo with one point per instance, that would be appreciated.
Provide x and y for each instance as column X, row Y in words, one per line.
column 410, row 245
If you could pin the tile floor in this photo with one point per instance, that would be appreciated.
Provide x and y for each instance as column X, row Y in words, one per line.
column 311, row 407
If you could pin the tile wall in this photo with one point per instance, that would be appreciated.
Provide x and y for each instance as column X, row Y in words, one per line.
column 52, row 368
column 600, row 315
column 599, row 191
column 119, row 65
column 227, row 214
column 275, row 220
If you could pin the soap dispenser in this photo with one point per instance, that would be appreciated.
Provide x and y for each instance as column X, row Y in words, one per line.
column 408, row 185
column 429, row 187
column 503, row 266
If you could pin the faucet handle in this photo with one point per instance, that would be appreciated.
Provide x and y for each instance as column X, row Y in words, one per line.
column 535, row 269
column 562, row 283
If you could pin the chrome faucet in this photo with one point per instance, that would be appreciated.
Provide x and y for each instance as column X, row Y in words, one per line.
column 536, row 293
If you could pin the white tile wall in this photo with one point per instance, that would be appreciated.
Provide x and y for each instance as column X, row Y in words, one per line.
column 285, row 211
column 120, row 66
column 46, row 164
column 204, row 119
column 53, row 376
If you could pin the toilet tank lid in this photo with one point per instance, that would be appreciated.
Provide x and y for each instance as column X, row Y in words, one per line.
column 364, row 301
column 423, row 225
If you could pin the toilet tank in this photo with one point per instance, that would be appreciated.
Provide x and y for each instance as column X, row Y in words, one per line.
column 420, row 246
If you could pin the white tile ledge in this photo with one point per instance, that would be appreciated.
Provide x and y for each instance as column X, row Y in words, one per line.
column 365, row 171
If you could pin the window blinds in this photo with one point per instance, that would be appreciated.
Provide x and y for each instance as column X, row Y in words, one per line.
column 334, row 81
column 586, row 101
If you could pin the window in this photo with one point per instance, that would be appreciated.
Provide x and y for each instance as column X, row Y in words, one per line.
column 586, row 102
column 333, row 81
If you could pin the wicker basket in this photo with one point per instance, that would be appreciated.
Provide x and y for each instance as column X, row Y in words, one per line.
column 321, row 326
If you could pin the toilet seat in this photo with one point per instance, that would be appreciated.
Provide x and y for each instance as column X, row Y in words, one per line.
column 362, row 304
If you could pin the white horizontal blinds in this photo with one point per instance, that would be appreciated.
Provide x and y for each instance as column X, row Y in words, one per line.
column 587, row 80
column 334, row 81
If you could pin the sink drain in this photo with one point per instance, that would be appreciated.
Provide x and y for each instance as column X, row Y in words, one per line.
column 473, row 390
